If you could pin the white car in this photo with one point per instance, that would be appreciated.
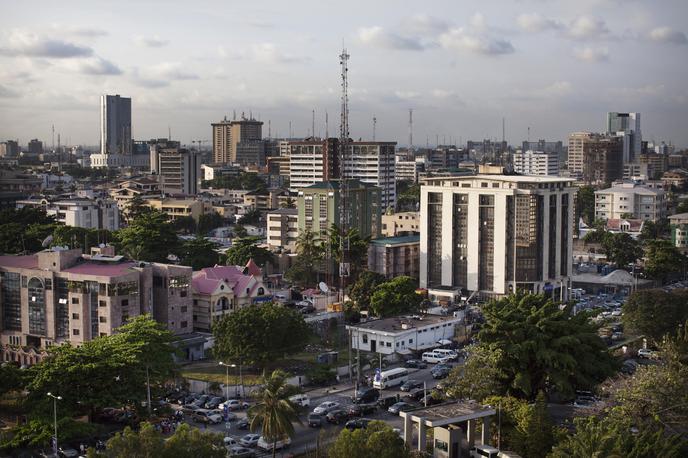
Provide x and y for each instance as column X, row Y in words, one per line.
column 647, row 353
column 250, row 440
column 234, row 404
column 326, row 407
column 300, row 400
column 263, row 444
column 230, row 442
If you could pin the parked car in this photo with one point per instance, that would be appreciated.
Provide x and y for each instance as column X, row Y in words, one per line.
column 214, row 402
column 264, row 444
column 646, row 353
column 409, row 385
column 206, row 416
column 399, row 407
column 326, row 407
column 68, row 452
column 243, row 423
column 336, row 416
column 234, row 404
column 415, row 395
column 357, row 423
column 249, row 440
column 230, row 442
column 416, row 363
column 366, row 395
column 315, row 420
column 301, row 400
column 431, row 400
column 241, row 452
column 440, row 373
column 357, row 410
column 307, row 309
column 387, row 401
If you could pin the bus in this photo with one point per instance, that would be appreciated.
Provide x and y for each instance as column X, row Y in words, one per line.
column 391, row 377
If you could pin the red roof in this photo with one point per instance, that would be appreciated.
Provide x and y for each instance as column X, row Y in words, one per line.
column 20, row 262
column 101, row 269
column 207, row 280
column 614, row 224
column 253, row 269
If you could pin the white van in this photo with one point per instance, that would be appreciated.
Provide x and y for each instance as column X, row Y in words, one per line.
column 432, row 357
column 392, row 377
column 300, row 400
column 451, row 354
column 263, row 444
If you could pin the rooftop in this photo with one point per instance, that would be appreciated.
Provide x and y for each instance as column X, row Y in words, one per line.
column 397, row 323
column 284, row 211
column 631, row 188
column 100, row 269
column 506, row 178
column 401, row 240
column 679, row 216
column 334, row 184
column 449, row 413
column 19, row 262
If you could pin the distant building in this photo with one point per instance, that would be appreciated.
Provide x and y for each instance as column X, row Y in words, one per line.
column 8, row 149
column 548, row 147
column 401, row 223
column 238, row 142
column 407, row 170
column 78, row 212
column 35, row 147
column 373, row 163
column 536, row 163
column 446, row 157
column 395, row 256
column 57, row 296
column 679, row 231
column 283, row 228
column 627, row 127
column 632, row 201
column 179, row 170
column 632, row 227
column 115, row 125
column 656, row 164
column 154, row 147
column 595, row 158
column 313, row 160
column 176, row 208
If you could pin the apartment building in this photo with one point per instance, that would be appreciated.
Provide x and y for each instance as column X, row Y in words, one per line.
column 595, row 158
column 373, row 163
column 407, row 170
column 536, row 163
column 78, row 211
column 401, row 223
column 238, row 141
column 179, row 170
column 176, row 208
column 311, row 161
column 283, row 229
column 395, row 256
column 59, row 295
column 679, row 231
column 630, row 200
column 490, row 234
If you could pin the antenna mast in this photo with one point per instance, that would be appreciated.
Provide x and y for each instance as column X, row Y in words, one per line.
column 344, row 185
column 410, row 144
column 374, row 126
column 313, row 123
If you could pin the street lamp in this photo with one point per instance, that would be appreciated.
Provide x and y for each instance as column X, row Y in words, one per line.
column 55, row 399
column 227, row 366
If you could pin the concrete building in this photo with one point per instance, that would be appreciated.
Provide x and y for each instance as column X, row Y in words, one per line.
column 283, row 229
column 624, row 199
column 115, row 133
column 595, row 158
column 154, row 147
column 126, row 190
column 320, row 206
column 312, row 160
column 279, row 165
column 35, row 147
column 179, row 170
column 10, row 148
column 221, row 290
column 265, row 199
column 177, row 208
column 78, row 212
column 536, row 163
column 656, row 164
column 627, row 127
column 445, row 157
column 401, row 223
column 484, row 233
column 547, row 147
column 679, row 231
column 238, row 141
column 373, row 163
column 407, row 170
column 57, row 296
column 395, row 256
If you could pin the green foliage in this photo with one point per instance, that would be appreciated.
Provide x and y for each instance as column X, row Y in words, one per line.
column 408, row 196
column 245, row 180
column 480, row 377
column 395, row 297
column 655, row 230
column 209, row 221
column 11, row 378
column 240, row 231
column 199, row 253
column 378, row 440
column 321, row 374
column 310, row 254
column 621, row 249
column 544, row 347
column 24, row 229
column 37, row 433
column 184, row 224
column 682, row 206
column 596, row 236
column 246, row 248
column 273, row 412
column 135, row 208
column 655, row 312
column 259, row 334
column 251, row 217
column 149, row 237
column 358, row 248
column 361, row 290
column 585, row 204
column 79, row 237
column 663, row 260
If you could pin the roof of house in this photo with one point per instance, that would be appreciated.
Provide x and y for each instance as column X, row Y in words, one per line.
column 679, row 217
column 635, row 225
column 19, row 262
column 253, row 269
column 397, row 323
column 207, row 280
column 401, row 240
column 101, row 269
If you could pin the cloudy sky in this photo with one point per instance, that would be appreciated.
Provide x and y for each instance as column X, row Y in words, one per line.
column 555, row 66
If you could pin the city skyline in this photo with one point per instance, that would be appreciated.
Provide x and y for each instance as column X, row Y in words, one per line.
column 550, row 66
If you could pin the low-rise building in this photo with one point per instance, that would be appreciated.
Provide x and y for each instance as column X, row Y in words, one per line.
column 177, row 208
column 395, row 256
column 78, row 212
column 283, row 228
column 679, row 231
column 631, row 201
column 401, row 223
column 402, row 335
column 221, row 290
column 536, row 163
column 58, row 295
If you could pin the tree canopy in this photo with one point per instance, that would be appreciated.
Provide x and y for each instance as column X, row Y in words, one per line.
column 259, row 334
column 377, row 440
column 243, row 249
column 199, row 253
column 273, row 412
column 362, row 289
column 149, row 237
column 309, row 256
column 209, row 221
column 358, row 248
column 621, row 249
column 24, row 229
column 655, row 312
column 663, row 261
column 395, row 297
column 585, row 204
column 479, row 377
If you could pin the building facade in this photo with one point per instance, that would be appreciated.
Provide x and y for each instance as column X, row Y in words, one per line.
column 312, row 161
column 630, row 200
column 10, row 148
column 679, row 231
column 627, row 127
column 78, row 212
column 238, row 141
column 536, row 163
column 283, row 229
column 115, row 124
column 595, row 158
column 373, row 163
column 401, row 223
column 179, row 170
column 485, row 233
column 177, row 208
column 395, row 256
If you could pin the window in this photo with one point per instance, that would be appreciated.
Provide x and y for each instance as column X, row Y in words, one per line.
column 182, row 293
column 102, row 303
column 183, row 324
column 75, row 316
column 75, row 332
column 389, row 344
column 184, row 308
column 75, row 300
column 102, row 319
column 11, row 301
column 365, row 338
column 195, row 302
column 410, row 341
column 37, row 319
column 125, row 302
column 103, row 334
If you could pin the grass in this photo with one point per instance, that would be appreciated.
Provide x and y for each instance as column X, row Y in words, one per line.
column 212, row 372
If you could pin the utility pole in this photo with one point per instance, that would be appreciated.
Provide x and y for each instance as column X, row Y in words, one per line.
column 55, row 399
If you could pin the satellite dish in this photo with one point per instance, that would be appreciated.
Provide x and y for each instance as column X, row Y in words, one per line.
column 47, row 241
column 323, row 287
column 101, row 245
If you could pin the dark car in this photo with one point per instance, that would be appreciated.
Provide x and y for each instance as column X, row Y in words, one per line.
column 441, row 373
column 410, row 385
column 214, row 402
column 337, row 416
column 388, row 401
column 307, row 309
column 366, row 395
column 315, row 420
column 416, row 363
column 243, row 423
column 416, row 394
column 399, row 407
column 357, row 410
column 358, row 423
column 431, row 400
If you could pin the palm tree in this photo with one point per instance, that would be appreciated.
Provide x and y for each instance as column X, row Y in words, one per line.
column 274, row 411
column 289, row 202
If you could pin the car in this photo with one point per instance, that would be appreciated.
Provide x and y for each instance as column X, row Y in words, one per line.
column 307, row 309
column 431, row 400
column 304, row 303
column 249, row 440
column 399, row 407
column 188, row 410
column 336, row 416
column 357, row 423
column 234, row 404
column 415, row 395
column 326, row 407
column 206, row 416
column 315, row 420
column 584, row 401
column 647, row 353
column 409, row 385
column 416, row 363
column 230, row 442
column 213, row 403
column 441, row 373
column 264, row 444
column 68, row 452
column 366, row 395
column 243, row 423
column 229, row 416
column 301, row 400
column 241, row 452
column 387, row 401
column 357, row 410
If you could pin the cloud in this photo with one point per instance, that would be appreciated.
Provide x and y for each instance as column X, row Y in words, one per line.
column 86, row 32
column 94, row 66
column 7, row 93
column 588, row 28
column 377, row 36
column 424, row 24
column 151, row 42
column 21, row 43
column 269, row 54
column 558, row 88
column 171, row 71
column 668, row 35
column 589, row 54
column 463, row 39
column 535, row 22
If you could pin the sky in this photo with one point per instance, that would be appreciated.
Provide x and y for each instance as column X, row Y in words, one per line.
column 554, row 66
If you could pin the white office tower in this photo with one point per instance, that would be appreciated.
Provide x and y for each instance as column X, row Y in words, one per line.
column 474, row 227
column 536, row 163
column 627, row 126
column 373, row 163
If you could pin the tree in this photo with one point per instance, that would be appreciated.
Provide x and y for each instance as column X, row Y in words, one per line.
column 361, row 290
column 395, row 297
column 682, row 206
column 250, row 217
column 358, row 248
column 199, row 253
column 146, row 443
column 209, row 221
column 135, row 208
column 188, row 442
column 585, row 204
column 259, row 334
column 654, row 230
column 273, row 411
column 408, row 196
column 655, row 313
column 480, row 377
column 621, row 249
column 149, row 237
column 377, row 440
column 663, row 260
column 309, row 255
column 79, row 237
column 37, row 433
column 24, row 229
column 185, row 224
column 243, row 249
column 11, row 378
column 240, row 231
column 544, row 347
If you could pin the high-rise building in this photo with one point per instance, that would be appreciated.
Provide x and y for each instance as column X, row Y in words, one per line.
column 238, row 141
column 115, row 124
column 154, row 148
column 312, row 160
column 595, row 158
column 536, row 163
column 547, row 147
column 373, row 163
column 35, row 147
column 10, row 148
column 179, row 170
column 484, row 233
column 626, row 126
